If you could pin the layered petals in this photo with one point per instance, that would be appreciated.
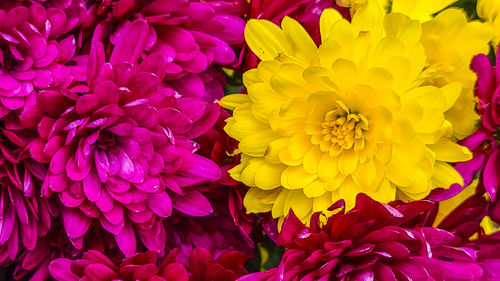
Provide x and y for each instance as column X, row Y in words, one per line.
column 122, row 152
column 351, row 116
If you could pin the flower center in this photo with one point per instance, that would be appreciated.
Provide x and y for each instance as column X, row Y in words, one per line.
column 106, row 140
column 343, row 130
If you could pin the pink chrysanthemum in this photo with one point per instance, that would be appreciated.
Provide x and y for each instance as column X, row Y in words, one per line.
column 193, row 35
column 24, row 215
column 95, row 266
column 374, row 241
column 485, row 142
column 34, row 48
column 121, row 150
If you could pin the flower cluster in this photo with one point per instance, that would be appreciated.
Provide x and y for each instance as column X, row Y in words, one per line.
column 374, row 241
column 210, row 139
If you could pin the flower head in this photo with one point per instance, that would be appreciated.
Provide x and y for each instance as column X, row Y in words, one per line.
column 375, row 241
column 323, row 124
column 94, row 266
column 34, row 48
column 192, row 36
column 120, row 150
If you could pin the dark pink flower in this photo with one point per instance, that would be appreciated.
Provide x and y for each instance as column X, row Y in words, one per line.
column 24, row 214
column 35, row 262
column 375, row 241
column 120, row 149
column 485, row 142
column 218, row 232
column 192, row 35
column 34, row 48
column 95, row 266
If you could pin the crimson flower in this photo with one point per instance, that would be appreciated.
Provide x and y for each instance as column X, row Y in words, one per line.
column 95, row 266
column 375, row 241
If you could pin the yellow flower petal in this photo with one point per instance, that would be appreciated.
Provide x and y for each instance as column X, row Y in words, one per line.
column 315, row 189
column 348, row 162
column 265, row 39
column 448, row 151
column 445, row 175
column 268, row 175
column 256, row 144
column 301, row 43
column 296, row 178
column 232, row 101
column 327, row 19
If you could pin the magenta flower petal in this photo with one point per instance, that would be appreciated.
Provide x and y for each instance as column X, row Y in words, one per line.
column 491, row 176
column 76, row 223
column 192, row 203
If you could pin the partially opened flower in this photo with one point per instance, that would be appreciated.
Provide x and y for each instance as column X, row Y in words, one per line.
column 323, row 124
column 95, row 266
column 24, row 214
column 485, row 142
column 34, row 47
column 120, row 150
column 375, row 241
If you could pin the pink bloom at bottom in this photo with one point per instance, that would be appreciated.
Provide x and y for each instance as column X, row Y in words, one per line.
column 95, row 266
column 35, row 262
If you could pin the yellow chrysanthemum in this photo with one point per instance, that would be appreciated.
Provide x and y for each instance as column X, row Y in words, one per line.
column 450, row 42
column 323, row 124
column 488, row 10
